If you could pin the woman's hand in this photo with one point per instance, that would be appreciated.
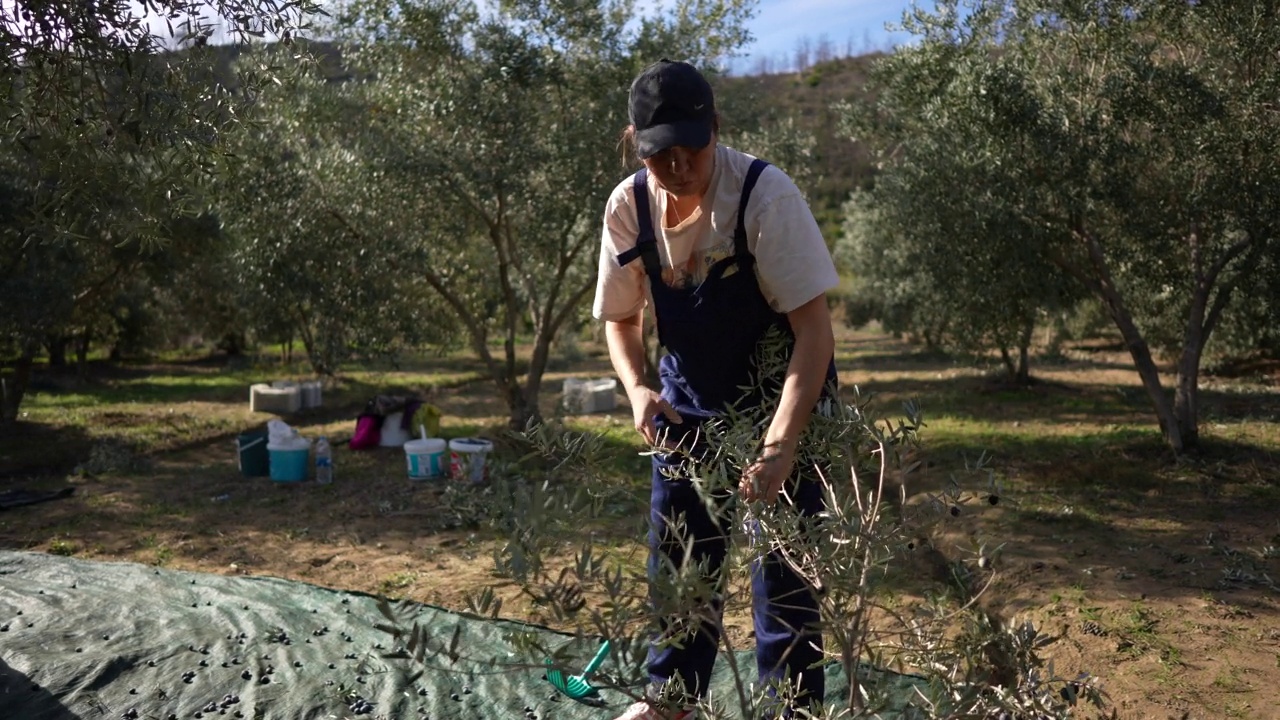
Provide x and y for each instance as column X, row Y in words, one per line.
column 645, row 404
column 764, row 478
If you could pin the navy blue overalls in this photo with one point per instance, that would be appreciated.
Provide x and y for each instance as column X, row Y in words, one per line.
column 711, row 334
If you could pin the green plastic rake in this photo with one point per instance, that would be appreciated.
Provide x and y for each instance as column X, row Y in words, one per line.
column 577, row 687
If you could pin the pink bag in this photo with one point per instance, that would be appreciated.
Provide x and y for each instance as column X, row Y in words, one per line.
column 368, row 432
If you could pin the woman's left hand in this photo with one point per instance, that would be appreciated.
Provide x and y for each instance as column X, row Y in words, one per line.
column 764, row 478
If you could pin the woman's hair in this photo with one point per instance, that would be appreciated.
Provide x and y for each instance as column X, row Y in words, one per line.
column 627, row 143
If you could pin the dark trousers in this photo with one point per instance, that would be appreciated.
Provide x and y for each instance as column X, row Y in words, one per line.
column 784, row 609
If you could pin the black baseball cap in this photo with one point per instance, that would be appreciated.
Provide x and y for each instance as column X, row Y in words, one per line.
column 671, row 104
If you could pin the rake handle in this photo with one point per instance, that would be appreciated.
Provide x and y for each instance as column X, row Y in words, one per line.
column 596, row 661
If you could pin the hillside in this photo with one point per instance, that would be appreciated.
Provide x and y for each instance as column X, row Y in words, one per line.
column 808, row 97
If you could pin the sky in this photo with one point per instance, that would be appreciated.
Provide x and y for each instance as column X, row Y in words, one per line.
column 849, row 25
column 779, row 26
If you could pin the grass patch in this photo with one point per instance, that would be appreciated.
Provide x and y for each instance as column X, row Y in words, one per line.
column 65, row 548
column 396, row 582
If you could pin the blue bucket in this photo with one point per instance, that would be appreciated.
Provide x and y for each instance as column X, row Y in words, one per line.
column 289, row 464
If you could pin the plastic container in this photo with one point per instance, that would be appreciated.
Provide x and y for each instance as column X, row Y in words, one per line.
column 590, row 396
column 427, row 416
column 324, row 461
column 281, row 400
column 467, row 459
column 393, row 435
column 252, row 450
column 425, row 458
column 311, row 391
column 289, row 460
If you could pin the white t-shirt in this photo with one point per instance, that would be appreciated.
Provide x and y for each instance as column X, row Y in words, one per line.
column 793, row 264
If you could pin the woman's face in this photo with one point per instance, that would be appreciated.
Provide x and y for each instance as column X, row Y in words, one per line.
column 682, row 171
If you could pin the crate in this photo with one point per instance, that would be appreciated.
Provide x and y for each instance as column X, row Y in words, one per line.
column 280, row 400
column 590, row 396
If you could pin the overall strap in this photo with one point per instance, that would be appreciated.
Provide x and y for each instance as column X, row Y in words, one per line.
column 646, row 247
column 740, row 233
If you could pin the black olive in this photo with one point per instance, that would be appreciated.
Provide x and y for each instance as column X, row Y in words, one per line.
column 955, row 511
column 994, row 499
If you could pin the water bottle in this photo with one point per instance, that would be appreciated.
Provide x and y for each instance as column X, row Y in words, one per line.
column 324, row 462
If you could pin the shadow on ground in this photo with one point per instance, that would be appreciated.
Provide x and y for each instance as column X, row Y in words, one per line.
column 23, row 699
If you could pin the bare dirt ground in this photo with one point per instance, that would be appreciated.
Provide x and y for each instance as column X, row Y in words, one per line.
column 1160, row 580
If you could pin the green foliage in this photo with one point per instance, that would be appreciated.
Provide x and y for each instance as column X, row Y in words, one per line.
column 108, row 129
column 1124, row 146
column 296, row 260
column 480, row 145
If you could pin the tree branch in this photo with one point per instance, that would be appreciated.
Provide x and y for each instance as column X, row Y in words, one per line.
column 474, row 327
column 1227, row 288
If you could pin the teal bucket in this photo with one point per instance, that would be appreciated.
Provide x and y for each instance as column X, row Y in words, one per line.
column 254, row 459
column 289, row 464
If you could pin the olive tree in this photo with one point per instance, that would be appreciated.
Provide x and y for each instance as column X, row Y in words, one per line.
column 109, row 119
column 1133, row 142
column 493, row 137
column 963, row 275
column 296, row 258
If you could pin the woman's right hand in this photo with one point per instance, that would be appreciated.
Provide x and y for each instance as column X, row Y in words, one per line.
column 645, row 405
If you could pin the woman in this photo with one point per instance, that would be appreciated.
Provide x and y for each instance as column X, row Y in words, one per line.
column 724, row 249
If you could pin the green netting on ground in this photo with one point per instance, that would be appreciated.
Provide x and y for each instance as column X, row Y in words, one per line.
column 84, row 639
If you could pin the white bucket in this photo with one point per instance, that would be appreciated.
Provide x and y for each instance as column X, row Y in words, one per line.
column 392, row 434
column 467, row 458
column 425, row 458
column 311, row 393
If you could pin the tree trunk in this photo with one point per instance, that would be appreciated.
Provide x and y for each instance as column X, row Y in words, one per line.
column 233, row 343
column 1008, row 363
column 1100, row 281
column 1186, row 400
column 523, row 402
column 1024, row 359
column 1150, row 375
column 57, row 346
column 523, row 411
column 82, row 355
column 15, row 387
